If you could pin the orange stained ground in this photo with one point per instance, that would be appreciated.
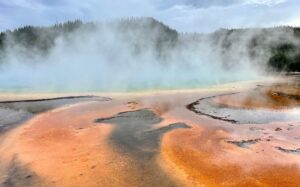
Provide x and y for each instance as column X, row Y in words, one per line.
column 64, row 147
column 202, row 158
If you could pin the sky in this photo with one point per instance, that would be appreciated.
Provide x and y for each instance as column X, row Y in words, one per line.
column 183, row 15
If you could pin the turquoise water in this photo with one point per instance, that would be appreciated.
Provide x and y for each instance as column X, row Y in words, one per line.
column 123, row 88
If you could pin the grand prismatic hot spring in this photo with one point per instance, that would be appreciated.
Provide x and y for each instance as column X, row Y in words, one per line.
column 158, row 94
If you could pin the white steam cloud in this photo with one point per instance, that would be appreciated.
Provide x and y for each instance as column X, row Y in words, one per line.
column 102, row 59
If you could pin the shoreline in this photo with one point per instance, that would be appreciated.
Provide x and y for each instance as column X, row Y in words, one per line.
column 238, row 84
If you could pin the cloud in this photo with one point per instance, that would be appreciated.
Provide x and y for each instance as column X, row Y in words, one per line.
column 243, row 15
column 198, row 4
column 264, row 2
column 215, row 3
column 183, row 15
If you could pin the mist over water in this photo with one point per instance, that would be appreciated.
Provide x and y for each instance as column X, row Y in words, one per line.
column 110, row 57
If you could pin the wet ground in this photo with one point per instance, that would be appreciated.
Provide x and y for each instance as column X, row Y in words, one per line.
column 264, row 104
column 14, row 112
column 197, row 138
column 209, row 107
column 134, row 135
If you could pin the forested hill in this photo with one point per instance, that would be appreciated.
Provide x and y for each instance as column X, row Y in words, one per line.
column 279, row 47
column 141, row 32
column 275, row 48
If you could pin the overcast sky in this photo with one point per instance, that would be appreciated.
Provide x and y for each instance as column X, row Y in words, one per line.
column 183, row 15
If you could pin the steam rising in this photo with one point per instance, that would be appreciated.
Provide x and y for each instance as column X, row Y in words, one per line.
column 134, row 55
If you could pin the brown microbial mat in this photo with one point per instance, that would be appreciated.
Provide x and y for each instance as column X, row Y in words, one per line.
column 276, row 97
